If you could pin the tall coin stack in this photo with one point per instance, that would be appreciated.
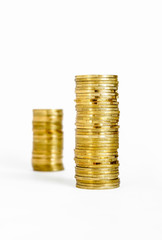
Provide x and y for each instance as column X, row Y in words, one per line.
column 97, row 140
column 47, row 140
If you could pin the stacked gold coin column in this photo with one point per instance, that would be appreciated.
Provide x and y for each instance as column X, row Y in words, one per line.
column 96, row 151
column 47, row 140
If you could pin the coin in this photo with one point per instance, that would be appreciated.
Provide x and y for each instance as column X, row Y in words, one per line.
column 96, row 164
column 86, row 77
column 109, row 160
column 98, row 186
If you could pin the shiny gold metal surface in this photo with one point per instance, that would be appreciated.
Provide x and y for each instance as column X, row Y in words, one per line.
column 47, row 140
column 97, row 132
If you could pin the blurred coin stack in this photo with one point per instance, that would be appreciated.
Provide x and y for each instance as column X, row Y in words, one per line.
column 47, row 140
column 97, row 140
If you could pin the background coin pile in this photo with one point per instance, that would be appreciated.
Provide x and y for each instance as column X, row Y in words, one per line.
column 47, row 140
column 96, row 151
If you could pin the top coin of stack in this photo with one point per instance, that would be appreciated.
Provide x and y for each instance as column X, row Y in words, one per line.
column 47, row 140
column 97, row 140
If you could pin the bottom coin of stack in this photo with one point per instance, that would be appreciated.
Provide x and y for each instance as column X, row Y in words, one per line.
column 47, row 140
column 96, row 151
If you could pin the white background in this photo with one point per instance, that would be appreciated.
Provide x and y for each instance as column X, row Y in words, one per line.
column 43, row 45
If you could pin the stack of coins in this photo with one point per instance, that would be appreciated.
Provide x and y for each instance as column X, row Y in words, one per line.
column 96, row 151
column 47, row 140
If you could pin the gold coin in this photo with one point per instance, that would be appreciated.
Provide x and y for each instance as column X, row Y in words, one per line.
column 91, row 123
column 95, row 165
column 104, row 119
column 95, row 76
column 98, row 171
column 109, row 85
column 97, row 116
column 93, row 95
column 90, row 102
column 96, row 158
column 112, row 165
column 95, row 100
column 99, row 176
column 97, row 187
column 93, row 180
column 96, row 93
column 95, row 107
column 96, row 145
column 95, row 133
column 96, row 82
column 108, row 95
column 98, row 100
column 97, row 88
column 47, row 167
column 109, row 163
column 47, row 111
column 101, row 81
column 86, row 140
column 47, row 161
column 90, row 160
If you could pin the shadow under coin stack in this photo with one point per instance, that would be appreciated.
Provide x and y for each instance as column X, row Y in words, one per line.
column 47, row 140
column 97, row 141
